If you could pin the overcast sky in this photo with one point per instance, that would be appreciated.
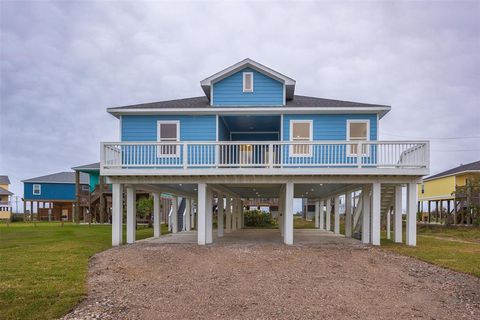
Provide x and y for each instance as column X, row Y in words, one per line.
column 62, row 64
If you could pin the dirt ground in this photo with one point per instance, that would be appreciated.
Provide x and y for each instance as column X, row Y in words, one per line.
column 153, row 280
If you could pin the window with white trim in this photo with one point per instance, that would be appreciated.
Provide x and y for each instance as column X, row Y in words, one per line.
column 301, row 130
column 85, row 187
column 168, row 132
column 37, row 189
column 357, row 131
column 248, row 82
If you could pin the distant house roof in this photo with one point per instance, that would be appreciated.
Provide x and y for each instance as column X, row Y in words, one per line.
column 470, row 167
column 4, row 192
column 60, row 177
column 296, row 102
column 88, row 167
column 249, row 63
column 4, row 180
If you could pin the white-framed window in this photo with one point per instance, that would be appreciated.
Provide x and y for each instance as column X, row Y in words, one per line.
column 37, row 189
column 301, row 130
column 85, row 187
column 358, row 130
column 168, row 131
column 248, row 82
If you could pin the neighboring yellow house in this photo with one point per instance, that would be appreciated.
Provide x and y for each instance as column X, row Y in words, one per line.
column 5, row 201
column 438, row 191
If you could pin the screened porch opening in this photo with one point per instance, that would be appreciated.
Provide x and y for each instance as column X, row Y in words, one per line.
column 238, row 131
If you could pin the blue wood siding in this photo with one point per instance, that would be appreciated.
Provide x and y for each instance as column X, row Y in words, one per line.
column 192, row 128
column 50, row 191
column 266, row 91
column 330, row 126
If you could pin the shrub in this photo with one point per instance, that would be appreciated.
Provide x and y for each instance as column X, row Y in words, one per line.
column 258, row 219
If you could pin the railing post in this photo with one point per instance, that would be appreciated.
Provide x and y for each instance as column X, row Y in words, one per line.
column 217, row 155
column 270, row 155
column 359, row 154
column 185, row 156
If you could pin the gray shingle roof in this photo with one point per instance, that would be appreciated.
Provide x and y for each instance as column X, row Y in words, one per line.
column 203, row 102
column 88, row 167
column 4, row 192
column 4, row 180
column 474, row 166
column 60, row 177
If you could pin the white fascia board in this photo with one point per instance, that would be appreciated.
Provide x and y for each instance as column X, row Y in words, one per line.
column 247, row 63
column 247, row 110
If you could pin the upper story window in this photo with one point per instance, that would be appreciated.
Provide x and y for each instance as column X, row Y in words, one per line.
column 37, row 189
column 248, row 82
column 301, row 130
column 169, row 132
column 358, row 130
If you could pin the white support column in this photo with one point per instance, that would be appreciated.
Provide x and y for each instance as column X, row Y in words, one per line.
column 317, row 214
column 288, row 232
column 131, row 214
column 366, row 215
column 389, row 212
column 329, row 214
column 209, row 220
column 228, row 215
column 242, row 214
column 281, row 210
column 336, row 218
column 192, row 216
column 202, row 214
column 221, row 212
column 411, row 234
column 117, row 213
column 348, row 214
column 239, row 213
column 376, row 207
column 322, row 215
column 175, row 214
column 156, row 214
column 188, row 212
column 234, row 214
column 397, row 220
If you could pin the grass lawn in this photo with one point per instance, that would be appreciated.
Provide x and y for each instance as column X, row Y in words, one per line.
column 456, row 248
column 43, row 268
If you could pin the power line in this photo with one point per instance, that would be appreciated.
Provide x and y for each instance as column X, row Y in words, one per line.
column 464, row 150
column 431, row 138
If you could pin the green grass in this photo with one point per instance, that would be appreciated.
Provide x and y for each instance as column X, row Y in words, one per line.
column 455, row 248
column 43, row 269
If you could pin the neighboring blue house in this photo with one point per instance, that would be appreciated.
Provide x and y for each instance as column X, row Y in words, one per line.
column 250, row 136
column 52, row 197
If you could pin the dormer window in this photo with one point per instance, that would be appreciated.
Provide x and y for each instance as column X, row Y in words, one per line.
column 248, row 82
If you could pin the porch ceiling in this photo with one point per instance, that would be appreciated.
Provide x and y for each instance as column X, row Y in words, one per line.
column 252, row 123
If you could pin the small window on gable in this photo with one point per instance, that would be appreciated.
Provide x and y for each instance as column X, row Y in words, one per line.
column 248, row 82
column 358, row 130
column 301, row 130
column 37, row 189
column 168, row 132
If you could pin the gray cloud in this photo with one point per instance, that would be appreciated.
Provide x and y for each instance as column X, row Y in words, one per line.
column 63, row 63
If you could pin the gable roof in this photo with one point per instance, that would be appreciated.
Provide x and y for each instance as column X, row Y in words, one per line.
column 4, row 180
column 199, row 103
column 60, row 177
column 5, row 192
column 469, row 167
column 88, row 167
column 249, row 63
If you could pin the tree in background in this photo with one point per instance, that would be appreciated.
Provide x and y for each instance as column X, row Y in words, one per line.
column 145, row 209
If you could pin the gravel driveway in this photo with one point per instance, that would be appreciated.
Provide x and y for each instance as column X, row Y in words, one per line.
column 154, row 280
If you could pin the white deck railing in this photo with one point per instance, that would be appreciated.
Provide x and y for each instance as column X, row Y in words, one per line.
column 275, row 154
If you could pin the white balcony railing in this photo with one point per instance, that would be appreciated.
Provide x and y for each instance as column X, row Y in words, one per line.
column 267, row 155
